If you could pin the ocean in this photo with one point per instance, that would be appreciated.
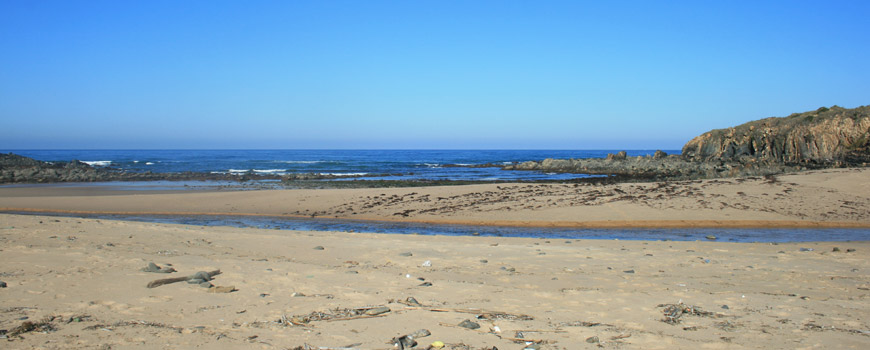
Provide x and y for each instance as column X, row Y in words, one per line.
column 370, row 164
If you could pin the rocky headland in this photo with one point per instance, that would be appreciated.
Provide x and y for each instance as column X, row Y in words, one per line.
column 824, row 138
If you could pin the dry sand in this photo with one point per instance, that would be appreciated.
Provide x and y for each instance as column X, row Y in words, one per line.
column 87, row 273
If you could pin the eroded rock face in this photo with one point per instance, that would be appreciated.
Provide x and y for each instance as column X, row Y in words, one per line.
column 825, row 137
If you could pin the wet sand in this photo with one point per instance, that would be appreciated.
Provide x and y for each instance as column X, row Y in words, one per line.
column 829, row 198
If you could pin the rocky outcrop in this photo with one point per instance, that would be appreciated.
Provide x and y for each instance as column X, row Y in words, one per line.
column 825, row 137
column 656, row 167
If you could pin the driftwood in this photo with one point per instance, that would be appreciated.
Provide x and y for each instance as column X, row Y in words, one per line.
column 160, row 282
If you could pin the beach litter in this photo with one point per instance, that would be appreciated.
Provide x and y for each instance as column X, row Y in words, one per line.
column 673, row 312
column 338, row 314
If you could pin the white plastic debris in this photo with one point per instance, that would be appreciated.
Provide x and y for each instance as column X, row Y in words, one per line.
column 427, row 263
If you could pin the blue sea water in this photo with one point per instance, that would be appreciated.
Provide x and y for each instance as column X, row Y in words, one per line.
column 396, row 164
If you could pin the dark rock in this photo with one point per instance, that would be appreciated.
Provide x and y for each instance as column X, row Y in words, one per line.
column 628, row 271
column 406, row 254
column 425, row 284
column 2, row 284
column 412, row 301
column 850, row 250
column 836, row 249
column 659, row 154
column 469, row 324
column 320, row 247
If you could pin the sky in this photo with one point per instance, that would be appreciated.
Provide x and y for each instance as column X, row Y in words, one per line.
column 417, row 74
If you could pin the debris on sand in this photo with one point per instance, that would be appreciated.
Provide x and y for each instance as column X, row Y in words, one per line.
column 202, row 276
column 339, row 314
column 673, row 312
column 152, row 267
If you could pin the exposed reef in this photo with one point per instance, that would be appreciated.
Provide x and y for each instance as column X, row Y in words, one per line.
column 19, row 169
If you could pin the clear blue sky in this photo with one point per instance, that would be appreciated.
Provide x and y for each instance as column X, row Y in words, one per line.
column 418, row 74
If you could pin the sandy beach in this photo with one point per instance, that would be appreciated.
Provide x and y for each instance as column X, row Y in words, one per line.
column 79, row 283
column 823, row 198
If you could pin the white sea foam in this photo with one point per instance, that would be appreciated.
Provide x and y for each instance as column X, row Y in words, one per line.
column 269, row 171
column 344, row 174
column 432, row 165
column 97, row 162
column 147, row 163
column 299, row 161
column 135, row 161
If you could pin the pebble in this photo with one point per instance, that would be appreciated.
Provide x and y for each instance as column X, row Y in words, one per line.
column 850, row 250
column 420, row 333
column 297, row 294
column 711, row 237
column 352, row 272
column 725, row 307
column 377, row 311
column 469, row 324
column 629, row 271
column 593, row 340
column 206, row 285
column 484, row 261
column 152, row 267
column 412, row 301
column 425, row 284
column 406, row 254
column 2, row 284
column 806, row 249
column 320, row 247
column 427, row 263
column 533, row 346
column 202, row 275
column 836, row 249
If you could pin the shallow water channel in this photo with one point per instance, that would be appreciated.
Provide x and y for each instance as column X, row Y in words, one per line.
column 675, row 234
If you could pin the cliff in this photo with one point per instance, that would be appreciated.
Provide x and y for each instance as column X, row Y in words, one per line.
column 825, row 137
